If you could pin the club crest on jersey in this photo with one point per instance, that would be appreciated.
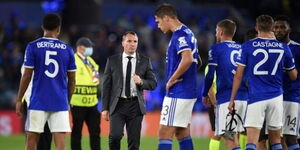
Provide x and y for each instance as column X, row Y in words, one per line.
column 182, row 42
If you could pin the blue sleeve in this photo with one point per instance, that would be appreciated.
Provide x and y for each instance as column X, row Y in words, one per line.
column 289, row 62
column 213, row 56
column 72, row 64
column 29, row 57
column 183, row 42
column 209, row 78
column 242, row 59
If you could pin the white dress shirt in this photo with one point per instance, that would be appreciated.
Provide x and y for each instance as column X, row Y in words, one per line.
column 133, row 65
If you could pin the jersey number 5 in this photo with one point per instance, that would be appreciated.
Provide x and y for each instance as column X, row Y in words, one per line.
column 49, row 61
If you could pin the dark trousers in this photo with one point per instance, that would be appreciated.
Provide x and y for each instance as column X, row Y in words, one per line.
column 45, row 138
column 127, row 112
column 91, row 116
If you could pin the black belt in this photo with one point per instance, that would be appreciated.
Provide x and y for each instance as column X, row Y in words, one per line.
column 133, row 98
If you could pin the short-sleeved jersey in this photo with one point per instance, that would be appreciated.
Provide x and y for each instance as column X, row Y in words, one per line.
column 224, row 56
column 291, row 89
column 50, row 59
column 182, row 39
column 264, row 60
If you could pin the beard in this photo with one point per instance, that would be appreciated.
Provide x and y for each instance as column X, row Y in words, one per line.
column 281, row 37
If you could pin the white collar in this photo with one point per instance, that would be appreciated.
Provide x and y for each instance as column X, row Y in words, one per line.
column 124, row 55
column 49, row 38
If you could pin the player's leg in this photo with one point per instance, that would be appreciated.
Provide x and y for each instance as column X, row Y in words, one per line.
column 78, row 117
column 175, row 113
column 274, row 125
column 34, row 125
column 45, row 139
column 225, row 126
column 59, row 124
column 93, row 123
column 31, row 140
column 290, row 124
column 184, row 138
column 263, row 137
column 254, row 120
column 60, row 140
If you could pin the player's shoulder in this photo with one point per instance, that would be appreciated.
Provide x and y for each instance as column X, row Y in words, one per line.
column 294, row 43
column 183, row 30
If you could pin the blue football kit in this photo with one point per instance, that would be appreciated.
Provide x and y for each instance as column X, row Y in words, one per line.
column 264, row 60
column 182, row 39
column 50, row 59
column 291, row 89
column 222, row 59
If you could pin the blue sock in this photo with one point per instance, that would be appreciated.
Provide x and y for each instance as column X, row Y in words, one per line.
column 276, row 146
column 293, row 147
column 165, row 144
column 236, row 148
column 250, row 146
column 186, row 143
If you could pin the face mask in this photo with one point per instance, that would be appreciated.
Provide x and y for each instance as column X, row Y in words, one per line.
column 88, row 51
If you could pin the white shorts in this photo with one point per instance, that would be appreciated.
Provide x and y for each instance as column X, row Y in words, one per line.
column 270, row 110
column 58, row 121
column 223, row 118
column 290, row 118
column 177, row 112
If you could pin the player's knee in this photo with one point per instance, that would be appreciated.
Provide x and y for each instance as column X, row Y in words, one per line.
column 274, row 128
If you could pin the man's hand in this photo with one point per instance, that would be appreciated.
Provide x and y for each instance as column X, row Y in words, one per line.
column 105, row 115
column 231, row 105
column 206, row 101
column 19, row 108
column 137, row 79
column 171, row 82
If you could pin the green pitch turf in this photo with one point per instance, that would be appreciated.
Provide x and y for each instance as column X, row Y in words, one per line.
column 147, row 143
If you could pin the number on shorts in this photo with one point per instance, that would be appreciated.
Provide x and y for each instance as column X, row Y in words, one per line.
column 291, row 121
column 165, row 110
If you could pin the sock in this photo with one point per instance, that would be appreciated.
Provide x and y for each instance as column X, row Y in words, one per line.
column 276, row 146
column 165, row 144
column 250, row 146
column 293, row 147
column 236, row 148
column 243, row 141
column 214, row 144
column 186, row 143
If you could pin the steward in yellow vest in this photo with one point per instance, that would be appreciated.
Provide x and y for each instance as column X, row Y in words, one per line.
column 84, row 100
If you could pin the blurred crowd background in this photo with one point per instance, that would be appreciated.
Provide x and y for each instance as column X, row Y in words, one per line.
column 104, row 21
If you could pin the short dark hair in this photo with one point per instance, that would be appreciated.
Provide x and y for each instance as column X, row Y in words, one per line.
column 228, row 26
column 264, row 23
column 282, row 18
column 166, row 10
column 51, row 21
column 128, row 32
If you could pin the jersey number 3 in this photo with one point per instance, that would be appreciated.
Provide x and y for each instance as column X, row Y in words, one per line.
column 49, row 61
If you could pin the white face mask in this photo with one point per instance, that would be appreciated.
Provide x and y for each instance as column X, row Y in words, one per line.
column 88, row 51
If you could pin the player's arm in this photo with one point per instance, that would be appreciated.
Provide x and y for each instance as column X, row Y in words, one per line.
column 236, row 84
column 185, row 63
column 293, row 74
column 25, row 80
column 209, row 78
column 71, row 84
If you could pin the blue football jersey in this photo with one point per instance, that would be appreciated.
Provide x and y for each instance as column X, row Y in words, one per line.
column 291, row 89
column 182, row 39
column 51, row 59
column 224, row 56
column 264, row 60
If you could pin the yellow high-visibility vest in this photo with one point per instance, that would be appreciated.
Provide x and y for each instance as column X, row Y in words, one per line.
column 85, row 93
